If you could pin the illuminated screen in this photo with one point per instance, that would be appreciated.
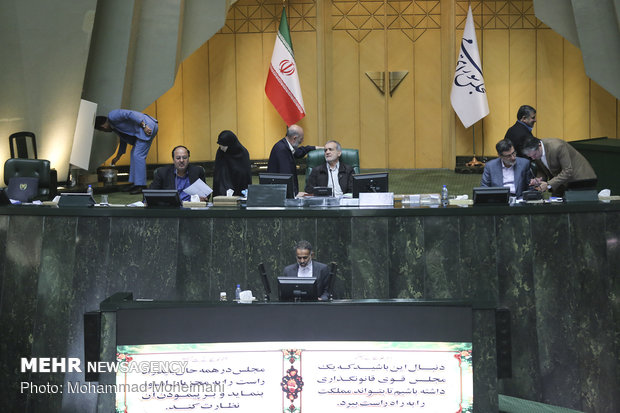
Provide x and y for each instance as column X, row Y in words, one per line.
column 320, row 358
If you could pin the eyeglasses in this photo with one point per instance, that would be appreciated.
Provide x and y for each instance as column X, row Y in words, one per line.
column 510, row 155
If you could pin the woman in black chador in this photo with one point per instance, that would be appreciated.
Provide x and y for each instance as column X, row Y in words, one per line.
column 232, row 165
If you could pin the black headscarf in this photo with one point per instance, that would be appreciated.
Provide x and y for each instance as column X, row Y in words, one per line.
column 232, row 168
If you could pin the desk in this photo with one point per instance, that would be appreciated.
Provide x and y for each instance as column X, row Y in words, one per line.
column 555, row 267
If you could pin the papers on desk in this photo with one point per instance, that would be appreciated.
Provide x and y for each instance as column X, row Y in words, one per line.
column 199, row 188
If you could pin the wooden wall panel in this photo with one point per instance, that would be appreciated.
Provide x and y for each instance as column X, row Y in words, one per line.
column 343, row 98
column 496, row 70
column 602, row 112
column 196, row 107
column 401, row 127
column 373, row 140
column 523, row 76
column 427, row 120
column 550, row 85
column 170, row 119
column 221, row 86
column 304, row 44
column 250, row 91
column 222, row 83
column 576, row 92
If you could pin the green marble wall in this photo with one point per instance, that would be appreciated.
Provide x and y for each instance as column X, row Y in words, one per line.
column 557, row 273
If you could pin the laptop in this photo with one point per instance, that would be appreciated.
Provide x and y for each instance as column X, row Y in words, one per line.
column 23, row 189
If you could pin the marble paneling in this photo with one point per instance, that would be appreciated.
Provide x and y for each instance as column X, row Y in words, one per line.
column 333, row 241
column 477, row 267
column 407, row 253
column 369, row 256
column 264, row 244
column 195, row 260
column 442, row 250
column 229, row 264
column 484, row 361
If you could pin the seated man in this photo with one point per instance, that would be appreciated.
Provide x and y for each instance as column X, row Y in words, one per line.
column 507, row 170
column 180, row 175
column 306, row 267
column 558, row 163
column 332, row 173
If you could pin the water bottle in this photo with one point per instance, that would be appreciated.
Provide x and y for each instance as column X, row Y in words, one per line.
column 444, row 196
column 89, row 191
column 238, row 292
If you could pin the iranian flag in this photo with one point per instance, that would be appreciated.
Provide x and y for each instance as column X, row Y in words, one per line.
column 282, row 87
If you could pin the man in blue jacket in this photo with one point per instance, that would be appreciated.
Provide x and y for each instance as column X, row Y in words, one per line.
column 136, row 129
column 507, row 170
column 284, row 152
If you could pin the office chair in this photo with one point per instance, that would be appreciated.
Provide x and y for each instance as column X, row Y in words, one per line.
column 34, row 168
column 24, row 144
column 349, row 156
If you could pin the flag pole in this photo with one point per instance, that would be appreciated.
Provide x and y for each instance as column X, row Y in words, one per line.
column 474, row 162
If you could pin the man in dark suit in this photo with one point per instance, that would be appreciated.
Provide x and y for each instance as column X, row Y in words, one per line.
column 284, row 152
column 179, row 175
column 507, row 170
column 307, row 267
column 522, row 129
column 333, row 173
column 558, row 163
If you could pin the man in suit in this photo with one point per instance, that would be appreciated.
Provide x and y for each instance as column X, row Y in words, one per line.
column 179, row 175
column 522, row 129
column 558, row 163
column 507, row 170
column 307, row 267
column 333, row 173
column 284, row 152
column 136, row 129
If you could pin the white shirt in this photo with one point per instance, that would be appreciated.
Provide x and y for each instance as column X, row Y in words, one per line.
column 543, row 158
column 290, row 147
column 332, row 179
column 508, row 177
column 305, row 271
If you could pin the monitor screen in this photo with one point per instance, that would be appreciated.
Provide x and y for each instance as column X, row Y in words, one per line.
column 161, row 198
column 491, row 195
column 376, row 182
column 272, row 178
column 297, row 289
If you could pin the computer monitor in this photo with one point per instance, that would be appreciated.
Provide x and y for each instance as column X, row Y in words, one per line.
column 161, row 198
column 297, row 289
column 273, row 178
column 491, row 195
column 375, row 182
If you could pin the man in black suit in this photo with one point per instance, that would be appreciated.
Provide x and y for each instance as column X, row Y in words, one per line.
column 179, row 175
column 284, row 152
column 307, row 267
column 522, row 129
column 332, row 173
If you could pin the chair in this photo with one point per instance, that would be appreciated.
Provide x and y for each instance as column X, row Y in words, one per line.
column 36, row 168
column 24, row 144
column 349, row 156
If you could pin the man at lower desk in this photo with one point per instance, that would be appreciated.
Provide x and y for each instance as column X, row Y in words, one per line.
column 507, row 170
column 307, row 267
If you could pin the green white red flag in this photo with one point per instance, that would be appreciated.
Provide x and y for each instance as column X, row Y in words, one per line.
column 282, row 87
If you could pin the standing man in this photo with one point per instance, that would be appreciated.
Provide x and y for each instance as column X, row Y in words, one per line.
column 507, row 170
column 136, row 129
column 558, row 163
column 306, row 267
column 333, row 173
column 522, row 129
column 179, row 175
column 284, row 152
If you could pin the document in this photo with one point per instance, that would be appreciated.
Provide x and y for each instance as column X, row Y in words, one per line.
column 199, row 188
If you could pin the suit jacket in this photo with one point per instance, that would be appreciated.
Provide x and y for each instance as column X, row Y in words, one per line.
column 165, row 177
column 281, row 160
column 566, row 164
column 320, row 177
column 517, row 134
column 126, row 124
column 493, row 176
column 319, row 270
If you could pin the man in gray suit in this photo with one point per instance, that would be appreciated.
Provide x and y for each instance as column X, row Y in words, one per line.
column 558, row 163
column 507, row 170
column 307, row 267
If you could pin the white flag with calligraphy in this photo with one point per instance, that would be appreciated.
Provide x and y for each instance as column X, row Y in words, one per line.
column 469, row 95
